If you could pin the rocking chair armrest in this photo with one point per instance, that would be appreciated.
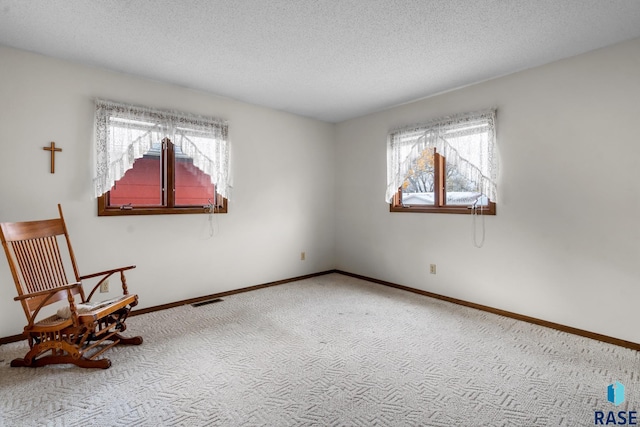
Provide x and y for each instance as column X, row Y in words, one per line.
column 49, row 291
column 107, row 272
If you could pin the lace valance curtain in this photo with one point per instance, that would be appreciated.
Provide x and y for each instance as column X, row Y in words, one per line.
column 467, row 141
column 124, row 133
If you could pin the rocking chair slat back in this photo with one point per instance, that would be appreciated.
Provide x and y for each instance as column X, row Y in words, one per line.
column 40, row 263
column 36, row 260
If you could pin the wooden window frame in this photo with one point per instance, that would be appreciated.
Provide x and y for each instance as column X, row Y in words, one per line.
column 440, row 196
column 168, row 207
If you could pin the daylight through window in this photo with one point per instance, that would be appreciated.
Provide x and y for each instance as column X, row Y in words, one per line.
column 159, row 162
column 448, row 165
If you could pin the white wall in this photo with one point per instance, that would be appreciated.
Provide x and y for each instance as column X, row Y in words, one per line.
column 283, row 168
column 565, row 245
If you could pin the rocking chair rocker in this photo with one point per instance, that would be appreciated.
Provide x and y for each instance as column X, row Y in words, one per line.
column 80, row 331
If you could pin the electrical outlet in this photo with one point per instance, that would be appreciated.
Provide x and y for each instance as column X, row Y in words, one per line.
column 432, row 268
column 303, row 256
column 104, row 286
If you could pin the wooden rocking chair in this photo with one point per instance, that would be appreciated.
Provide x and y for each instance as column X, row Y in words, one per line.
column 79, row 332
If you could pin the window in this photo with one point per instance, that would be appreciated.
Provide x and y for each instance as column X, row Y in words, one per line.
column 158, row 162
column 446, row 166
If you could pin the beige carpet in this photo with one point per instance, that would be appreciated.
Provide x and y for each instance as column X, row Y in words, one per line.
column 328, row 351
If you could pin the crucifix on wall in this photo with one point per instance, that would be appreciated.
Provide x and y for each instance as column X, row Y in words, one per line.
column 53, row 150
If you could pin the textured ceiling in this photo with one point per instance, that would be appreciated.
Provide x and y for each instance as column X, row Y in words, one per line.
column 327, row 59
